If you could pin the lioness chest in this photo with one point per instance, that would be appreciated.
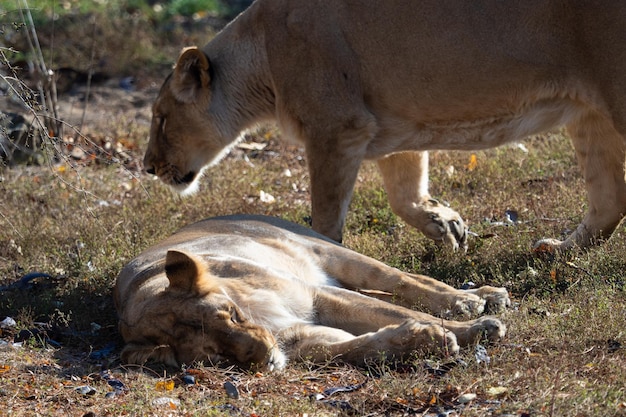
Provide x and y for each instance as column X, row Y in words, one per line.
column 275, row 288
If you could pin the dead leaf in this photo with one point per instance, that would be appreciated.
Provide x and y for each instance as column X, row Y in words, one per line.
column 164, row 385
column 473, row 163
column 496, row 391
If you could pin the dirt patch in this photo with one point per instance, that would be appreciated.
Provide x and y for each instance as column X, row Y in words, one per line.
column 96, row 120
column 102, row 107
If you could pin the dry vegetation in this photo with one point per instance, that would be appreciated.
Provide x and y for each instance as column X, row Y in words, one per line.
column 73, row 222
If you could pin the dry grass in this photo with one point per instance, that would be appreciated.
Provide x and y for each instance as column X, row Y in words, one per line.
column 79, row 221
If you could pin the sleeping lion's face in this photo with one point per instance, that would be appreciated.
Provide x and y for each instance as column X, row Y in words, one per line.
column 177, row 328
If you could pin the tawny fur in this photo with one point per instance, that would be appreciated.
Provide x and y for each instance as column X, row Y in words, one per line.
column 386, row 80
column 253, row 290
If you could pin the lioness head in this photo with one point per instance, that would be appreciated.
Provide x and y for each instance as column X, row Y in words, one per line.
column 184, row 135
column 193, row 319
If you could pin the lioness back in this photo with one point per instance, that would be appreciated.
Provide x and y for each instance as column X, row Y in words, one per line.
column 230, row 237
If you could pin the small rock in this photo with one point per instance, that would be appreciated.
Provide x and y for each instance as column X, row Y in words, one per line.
column 189, row 380
column 231, row 390
column 166, row 401
column 466, row 398
column 511, row 216
column 7, row 323
column 85, row 390
column 481, row 355
column 78, row 154
column 266, row 197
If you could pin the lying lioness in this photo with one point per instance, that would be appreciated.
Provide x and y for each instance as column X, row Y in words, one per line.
column 259, row 290
column 354, row 80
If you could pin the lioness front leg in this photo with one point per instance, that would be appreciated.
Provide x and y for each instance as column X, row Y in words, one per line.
column 333, row 167
column 601, row 153
column 405, row 175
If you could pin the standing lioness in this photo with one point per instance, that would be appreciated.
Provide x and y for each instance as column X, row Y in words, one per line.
column 355, row 80
column 260, row 290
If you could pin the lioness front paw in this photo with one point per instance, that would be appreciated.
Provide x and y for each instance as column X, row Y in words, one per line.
column 444, row 225
column 550, row 246
column 496, row 298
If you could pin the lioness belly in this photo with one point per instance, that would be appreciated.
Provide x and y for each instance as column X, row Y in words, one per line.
column 471, row 134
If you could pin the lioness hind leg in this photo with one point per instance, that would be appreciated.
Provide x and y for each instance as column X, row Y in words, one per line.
column 405, row 176
column 601, row 153
column 320, row 343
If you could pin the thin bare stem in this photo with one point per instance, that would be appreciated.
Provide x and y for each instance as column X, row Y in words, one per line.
column 89, row 75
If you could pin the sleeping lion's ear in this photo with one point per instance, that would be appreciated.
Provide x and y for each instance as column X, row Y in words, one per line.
column 185, row 271
column 191, row 79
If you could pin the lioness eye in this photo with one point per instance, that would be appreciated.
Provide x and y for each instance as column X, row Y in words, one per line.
column 234, row 317
column 159, row 119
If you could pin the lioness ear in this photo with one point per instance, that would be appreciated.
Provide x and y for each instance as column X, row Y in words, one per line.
column 191, row 75
column 185, row 272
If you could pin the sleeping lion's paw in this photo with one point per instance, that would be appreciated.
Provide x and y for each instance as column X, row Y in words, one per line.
column 276, row 360
column 426, row 338
column 496, row 298
column 488, row 328
column 467, row 305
